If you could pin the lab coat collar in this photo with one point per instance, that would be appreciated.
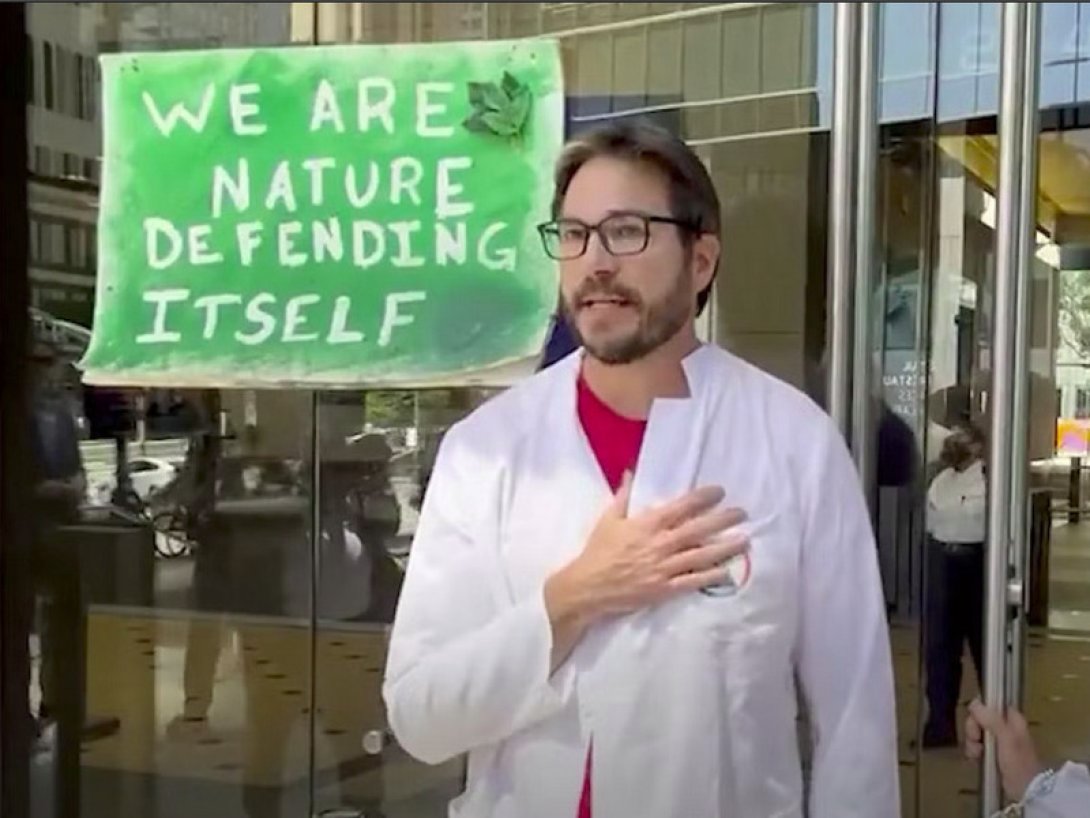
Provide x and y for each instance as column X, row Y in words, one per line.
column 673, row 444
column 696, row 366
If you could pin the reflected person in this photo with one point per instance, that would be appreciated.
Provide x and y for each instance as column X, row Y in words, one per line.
column 59, row 490
column 953, row 614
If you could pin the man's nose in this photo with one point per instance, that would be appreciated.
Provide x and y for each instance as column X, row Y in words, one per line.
column 600, row 260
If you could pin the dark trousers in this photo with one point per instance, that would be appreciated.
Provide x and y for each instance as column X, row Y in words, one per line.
column 954, row 615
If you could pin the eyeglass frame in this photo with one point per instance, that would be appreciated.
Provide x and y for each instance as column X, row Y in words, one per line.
column 648, row 219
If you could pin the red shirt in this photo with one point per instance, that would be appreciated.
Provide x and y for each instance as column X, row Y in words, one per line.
column 615, row 441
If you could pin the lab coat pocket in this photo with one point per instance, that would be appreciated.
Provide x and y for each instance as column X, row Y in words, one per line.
column 755, row 600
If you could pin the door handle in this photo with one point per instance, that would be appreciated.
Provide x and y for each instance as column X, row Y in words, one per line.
column 1016, row 594
column 375, row 741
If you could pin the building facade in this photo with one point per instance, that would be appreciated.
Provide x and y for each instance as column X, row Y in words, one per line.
column 65, row 143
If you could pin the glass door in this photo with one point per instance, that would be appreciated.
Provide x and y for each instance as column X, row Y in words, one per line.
column 980, row 354
column 1050, row 680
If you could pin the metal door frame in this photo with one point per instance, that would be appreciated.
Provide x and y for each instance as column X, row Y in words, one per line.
column 1009, row 394
column 15, row 724
column 852, row 256
column 853, row 206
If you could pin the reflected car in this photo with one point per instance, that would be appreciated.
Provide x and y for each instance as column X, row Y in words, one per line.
column 149, row 476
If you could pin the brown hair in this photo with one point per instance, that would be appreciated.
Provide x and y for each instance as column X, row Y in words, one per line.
column 693, row 199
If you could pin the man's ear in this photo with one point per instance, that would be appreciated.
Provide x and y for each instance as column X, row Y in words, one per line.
column 705, row 259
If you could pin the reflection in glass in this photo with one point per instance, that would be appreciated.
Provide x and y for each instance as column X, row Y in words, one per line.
column 1056, row 684
column 951, row 544
column 897, row 306
column 164, row 642
column 376, row 453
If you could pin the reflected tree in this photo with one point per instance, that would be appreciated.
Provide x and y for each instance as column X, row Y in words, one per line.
column 1074, row 311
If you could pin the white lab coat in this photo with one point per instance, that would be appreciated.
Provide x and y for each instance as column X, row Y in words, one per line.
column 1067, row 797
column 692, row 705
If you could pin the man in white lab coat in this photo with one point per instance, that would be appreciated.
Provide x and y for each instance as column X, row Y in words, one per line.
column 628, row 566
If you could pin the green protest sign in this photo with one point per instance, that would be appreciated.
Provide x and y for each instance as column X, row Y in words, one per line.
column 330, row 216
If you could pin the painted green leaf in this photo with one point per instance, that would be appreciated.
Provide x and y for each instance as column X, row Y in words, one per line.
column 520, row 107
column 475, row 124
column 476, row 94
column 511, row 85
column 487, row 95
column 500, row 123
column 500, row 109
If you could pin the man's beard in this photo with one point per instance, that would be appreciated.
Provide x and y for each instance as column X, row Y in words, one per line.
column 658, row 322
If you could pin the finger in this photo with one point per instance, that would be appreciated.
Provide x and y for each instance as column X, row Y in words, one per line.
column 705, row 557
column 693, row 504
column 698, row 580
column 973, row 731
column 987, row 717
column 698, row 531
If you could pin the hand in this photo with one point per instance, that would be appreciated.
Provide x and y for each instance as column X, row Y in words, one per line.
column 632, row 562
column 1018, row 761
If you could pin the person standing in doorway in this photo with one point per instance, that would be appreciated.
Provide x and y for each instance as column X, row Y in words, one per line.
column 956, row 520
column 624, row 563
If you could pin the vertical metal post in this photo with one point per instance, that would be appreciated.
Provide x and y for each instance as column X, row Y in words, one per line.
column 16, row 593
column 1074, row 491
column 866, row 247
column 841, row 211
column 313, row 599
column 315, row 541
column 1027, row 230
column 1008, row 246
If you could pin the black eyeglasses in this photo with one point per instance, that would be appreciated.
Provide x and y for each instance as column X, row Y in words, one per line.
column 621, row 234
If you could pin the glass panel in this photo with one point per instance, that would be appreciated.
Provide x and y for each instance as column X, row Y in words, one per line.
column 700, row 81
column 195, row 628
column 171, row 667
column 1082, row 37
column 898, row 306
column 1057, row 667
column 907, row 56
column 630, row 66
column 741, row 53
column 773, row 184
column 931, row 310
column 1059, row 52
column 951, row 546
column 592, row 77
column 958, row 376
column 968, row 59
column 377, row 450
column 664, row 64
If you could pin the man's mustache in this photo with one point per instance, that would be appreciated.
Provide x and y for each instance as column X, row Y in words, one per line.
column 598, row 289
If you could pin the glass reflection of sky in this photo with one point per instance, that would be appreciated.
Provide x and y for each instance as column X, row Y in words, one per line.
column 967, row 38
